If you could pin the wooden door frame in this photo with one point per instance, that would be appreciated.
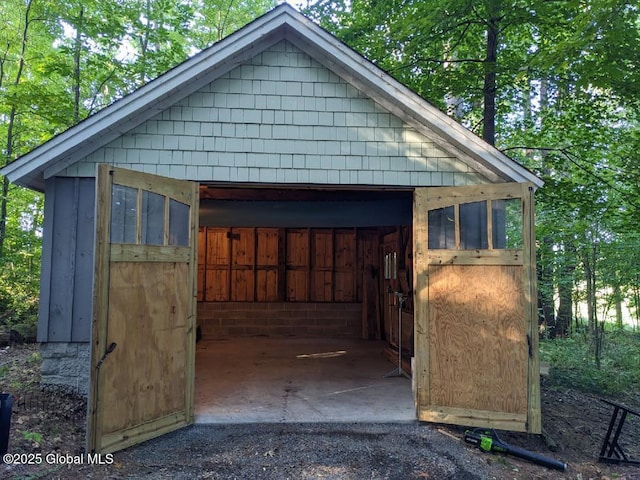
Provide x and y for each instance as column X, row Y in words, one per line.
column 103, row 255
column 434, row 197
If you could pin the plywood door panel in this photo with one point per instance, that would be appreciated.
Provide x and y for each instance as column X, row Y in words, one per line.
column 145, row 289
column 478, row 355
column 155, row 383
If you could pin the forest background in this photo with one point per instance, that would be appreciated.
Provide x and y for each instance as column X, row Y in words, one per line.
column 554, row 84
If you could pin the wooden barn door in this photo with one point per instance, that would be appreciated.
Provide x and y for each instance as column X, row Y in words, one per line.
column 144, row 308
column 476, row 329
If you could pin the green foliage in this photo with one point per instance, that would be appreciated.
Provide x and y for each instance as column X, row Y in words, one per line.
column 573, row 365
column 33, row 437
column 18, row 303
column 20, row 262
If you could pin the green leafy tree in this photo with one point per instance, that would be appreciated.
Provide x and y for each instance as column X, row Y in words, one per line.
column 61, row 61
column 215, row 19
column 553, row 84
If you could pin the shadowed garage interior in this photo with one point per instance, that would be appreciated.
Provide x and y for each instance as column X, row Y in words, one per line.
column 298, row 322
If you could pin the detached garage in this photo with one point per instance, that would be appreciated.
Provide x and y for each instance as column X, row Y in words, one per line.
column 279, row 188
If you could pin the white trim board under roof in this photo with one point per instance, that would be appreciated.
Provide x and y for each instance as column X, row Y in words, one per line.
column 281, row 23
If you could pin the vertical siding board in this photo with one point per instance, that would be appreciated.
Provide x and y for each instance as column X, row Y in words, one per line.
column 47, row 258
column 67, row 269
column 83, row 274
column 63, row 260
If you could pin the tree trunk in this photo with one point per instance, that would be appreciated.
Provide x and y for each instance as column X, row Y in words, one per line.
column 589, row 275
column 10, row 140
column 565, row 291
column 3, row 213
column 545, row 287
column 617, row 297
column 490, row 75
column 589, row 262
column 636, row 304
column 76, row 70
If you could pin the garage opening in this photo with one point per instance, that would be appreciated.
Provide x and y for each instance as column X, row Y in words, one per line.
column 300, row 292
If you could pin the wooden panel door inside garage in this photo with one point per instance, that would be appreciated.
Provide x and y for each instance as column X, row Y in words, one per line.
column 277, row 264
column 476, row 338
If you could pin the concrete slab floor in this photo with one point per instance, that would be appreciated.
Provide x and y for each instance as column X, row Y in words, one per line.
column 292, row 380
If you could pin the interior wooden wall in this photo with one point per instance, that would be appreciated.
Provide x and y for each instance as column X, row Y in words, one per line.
column 285, row 264
column 332, row 265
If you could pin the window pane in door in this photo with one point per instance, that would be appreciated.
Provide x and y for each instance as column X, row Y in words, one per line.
column 178, row 223
column 507, row 223
column 473, row 226
column 152, row 218
column 442, row 228
column 124, row 206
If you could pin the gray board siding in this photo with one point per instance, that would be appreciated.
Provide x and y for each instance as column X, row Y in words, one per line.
column 66, row 286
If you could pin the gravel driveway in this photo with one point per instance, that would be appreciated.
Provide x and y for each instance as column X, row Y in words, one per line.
column 300, row 451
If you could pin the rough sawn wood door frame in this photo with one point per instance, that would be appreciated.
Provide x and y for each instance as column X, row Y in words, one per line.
column 465, row 386
column 145, row 303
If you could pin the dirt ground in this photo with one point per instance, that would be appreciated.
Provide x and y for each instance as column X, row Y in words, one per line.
column 50, row 426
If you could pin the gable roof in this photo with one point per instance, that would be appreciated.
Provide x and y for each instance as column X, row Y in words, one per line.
column 281, row 23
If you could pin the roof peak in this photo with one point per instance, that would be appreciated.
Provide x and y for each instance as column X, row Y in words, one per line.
column 283, row 22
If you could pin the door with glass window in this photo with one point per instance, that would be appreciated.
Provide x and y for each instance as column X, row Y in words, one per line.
column 142, row 365
column 475, row 316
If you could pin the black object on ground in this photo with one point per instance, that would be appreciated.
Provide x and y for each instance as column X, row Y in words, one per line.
column 611, row 451
column 489, row 441
column 6, row 407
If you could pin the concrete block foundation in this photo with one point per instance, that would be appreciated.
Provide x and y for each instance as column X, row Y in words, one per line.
column 66, row 365
column 238, row 319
